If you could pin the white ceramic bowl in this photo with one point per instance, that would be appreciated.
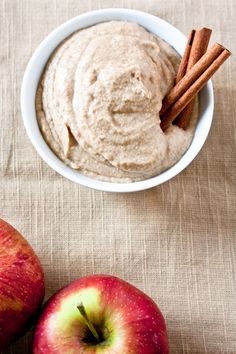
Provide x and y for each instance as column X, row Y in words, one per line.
column 36, row 66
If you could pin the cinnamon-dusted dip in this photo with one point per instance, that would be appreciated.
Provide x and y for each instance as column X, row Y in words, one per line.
column 99, row 99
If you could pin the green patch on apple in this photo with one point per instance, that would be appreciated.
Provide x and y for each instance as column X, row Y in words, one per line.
column 83, row 316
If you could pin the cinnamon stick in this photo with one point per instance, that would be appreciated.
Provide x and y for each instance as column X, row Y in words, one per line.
column 183, row 100
column 199, row 44
column 185, row 59
column 192, row 75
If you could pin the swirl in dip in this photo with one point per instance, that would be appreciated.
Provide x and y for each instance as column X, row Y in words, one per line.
column 99, row 99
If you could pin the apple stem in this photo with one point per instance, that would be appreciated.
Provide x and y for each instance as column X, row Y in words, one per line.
column 88, row 323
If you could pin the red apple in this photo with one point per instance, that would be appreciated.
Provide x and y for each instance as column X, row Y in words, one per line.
column 21, row 285
column 100, row 314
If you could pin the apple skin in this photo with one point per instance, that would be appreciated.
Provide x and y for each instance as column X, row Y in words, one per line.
column 131, row 321
column 21, row 285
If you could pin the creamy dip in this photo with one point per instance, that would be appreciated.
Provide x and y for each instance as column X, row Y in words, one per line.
column 99, row 99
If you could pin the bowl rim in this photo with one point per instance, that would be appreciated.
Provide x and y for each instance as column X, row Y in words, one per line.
column 37, row 63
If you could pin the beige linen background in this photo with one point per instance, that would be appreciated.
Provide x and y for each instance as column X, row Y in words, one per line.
column 176, row 242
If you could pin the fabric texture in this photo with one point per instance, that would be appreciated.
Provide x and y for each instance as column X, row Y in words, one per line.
column 176, row 242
